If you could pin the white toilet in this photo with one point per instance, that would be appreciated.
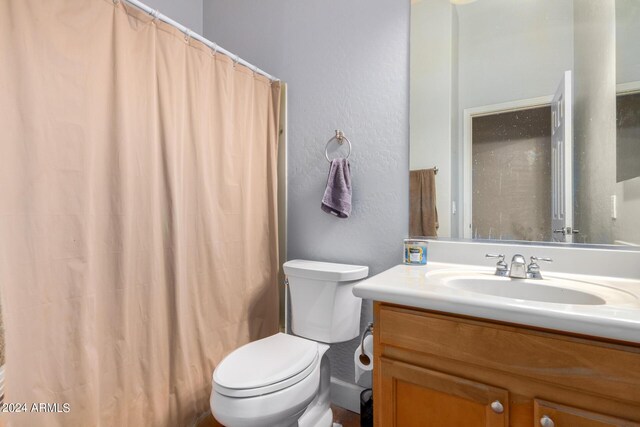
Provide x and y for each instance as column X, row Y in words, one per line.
column 284, row 380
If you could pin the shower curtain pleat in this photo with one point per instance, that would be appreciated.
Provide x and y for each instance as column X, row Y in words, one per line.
column 138, row 221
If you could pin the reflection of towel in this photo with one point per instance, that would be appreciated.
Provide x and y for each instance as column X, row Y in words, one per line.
column 337, row 195
column 423, row 215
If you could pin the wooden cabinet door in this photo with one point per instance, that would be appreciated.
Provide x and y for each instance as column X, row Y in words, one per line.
column 413, row 396
column 548, row 414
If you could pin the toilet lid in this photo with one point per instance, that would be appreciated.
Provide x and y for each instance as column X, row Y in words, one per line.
column 277, row 359
column 325, row 270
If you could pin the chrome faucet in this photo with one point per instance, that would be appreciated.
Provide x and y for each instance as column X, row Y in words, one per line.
column 518, row 268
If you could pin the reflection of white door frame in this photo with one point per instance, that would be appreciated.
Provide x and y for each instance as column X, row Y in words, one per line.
column 467, row 156
column 562, row 190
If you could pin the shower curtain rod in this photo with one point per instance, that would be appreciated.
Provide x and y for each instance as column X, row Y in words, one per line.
column 189, row 33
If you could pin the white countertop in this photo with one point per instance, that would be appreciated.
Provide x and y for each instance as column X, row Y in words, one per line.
column 410, row 286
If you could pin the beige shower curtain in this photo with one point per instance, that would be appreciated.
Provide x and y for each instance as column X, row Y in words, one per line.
column 138, row 240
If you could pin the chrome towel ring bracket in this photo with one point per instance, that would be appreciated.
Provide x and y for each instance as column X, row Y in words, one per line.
column 340, row 138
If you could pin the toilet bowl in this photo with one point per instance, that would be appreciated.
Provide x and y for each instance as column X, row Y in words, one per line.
column 283, row 380
column 269, row 382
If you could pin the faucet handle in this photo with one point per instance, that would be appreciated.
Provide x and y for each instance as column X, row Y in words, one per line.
column 533, row 269
column 535, row 258
column 501, row 267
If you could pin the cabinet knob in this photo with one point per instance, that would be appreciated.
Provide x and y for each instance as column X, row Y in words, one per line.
column 497, row 407
column 545, row 421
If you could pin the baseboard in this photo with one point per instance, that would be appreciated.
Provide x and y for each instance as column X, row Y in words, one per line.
column 345, row 395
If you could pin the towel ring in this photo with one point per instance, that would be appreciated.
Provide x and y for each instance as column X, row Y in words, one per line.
column 340, row 138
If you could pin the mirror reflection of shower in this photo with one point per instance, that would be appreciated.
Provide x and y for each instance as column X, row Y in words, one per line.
column 511, row 163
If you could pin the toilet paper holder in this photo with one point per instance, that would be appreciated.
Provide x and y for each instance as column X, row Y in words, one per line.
column 364, row 359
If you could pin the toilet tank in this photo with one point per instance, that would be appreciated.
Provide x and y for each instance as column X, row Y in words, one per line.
column 323, row 307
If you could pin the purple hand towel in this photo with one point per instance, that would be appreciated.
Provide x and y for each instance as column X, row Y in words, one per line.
column 337, row 195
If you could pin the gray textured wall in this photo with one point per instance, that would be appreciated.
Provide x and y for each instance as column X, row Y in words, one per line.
column 186, row 12
column 347, row 67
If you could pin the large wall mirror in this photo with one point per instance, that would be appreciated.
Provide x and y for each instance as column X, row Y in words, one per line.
column 525, row 120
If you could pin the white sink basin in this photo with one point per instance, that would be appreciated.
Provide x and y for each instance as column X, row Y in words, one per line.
column 525, row 290
column 551, row 290
column 601, row 306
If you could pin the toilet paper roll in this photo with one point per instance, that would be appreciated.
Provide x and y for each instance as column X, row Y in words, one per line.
column 363, row 372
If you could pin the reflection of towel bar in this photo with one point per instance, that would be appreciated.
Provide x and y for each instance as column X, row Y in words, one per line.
column 341, row 139
column 435, row 170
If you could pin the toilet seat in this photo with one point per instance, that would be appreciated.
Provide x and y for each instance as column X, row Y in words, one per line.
column 266, row 366
column 281, row 408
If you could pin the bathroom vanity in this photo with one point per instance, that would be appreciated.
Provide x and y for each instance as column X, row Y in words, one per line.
column 436, row 369
column 457, row 345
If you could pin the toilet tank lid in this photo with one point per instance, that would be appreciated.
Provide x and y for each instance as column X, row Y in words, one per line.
column 325, row 270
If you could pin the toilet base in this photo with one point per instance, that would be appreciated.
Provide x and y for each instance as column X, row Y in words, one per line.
column 318, row 413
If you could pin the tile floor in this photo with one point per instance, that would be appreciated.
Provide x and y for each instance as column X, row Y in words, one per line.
column 345, row 417
column 340, row 415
